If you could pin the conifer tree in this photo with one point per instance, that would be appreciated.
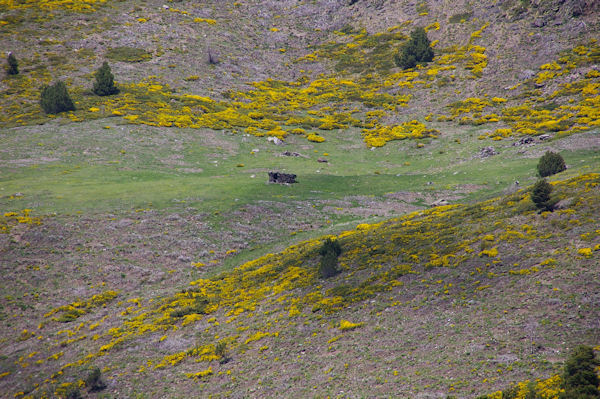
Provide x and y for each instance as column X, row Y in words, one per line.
column 540, row 196
column 329, row 251
column 104, row 84
column 56, row 99
column 550, row 164
column 580, row 380
column 416, row 51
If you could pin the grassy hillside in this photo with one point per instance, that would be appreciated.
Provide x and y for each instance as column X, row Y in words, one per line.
column 447, row 300
column 140, row 235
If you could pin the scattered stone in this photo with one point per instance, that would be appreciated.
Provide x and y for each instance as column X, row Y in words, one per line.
column 184, row 258
column 255, row 150
column 487, row 152
column 538, row 23
column 124, row 223
column 282, row 178
column 544, row 137
column 506, row 358
column 322, row 160
column 275, row 140
column 527, row 74
column 564, row 204
column 166, row 7
column 440, row 202
column 524, row 141
column 290, row 154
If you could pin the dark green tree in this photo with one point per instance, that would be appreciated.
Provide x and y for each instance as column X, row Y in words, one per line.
column 550, row 163
column 56, row 99
column 540, row 195
column 579, row 379
column 416, row 51
column 13, row 65
column 329, row 251
column 105, row 84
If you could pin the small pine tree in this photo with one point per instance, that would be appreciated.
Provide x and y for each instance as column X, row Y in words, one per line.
column 56, row 99
column 579, row 379
column 550, row 164
column 329, row 251
column 13, row 65
column 416, row 51
column 540, row 196
column 105, row 84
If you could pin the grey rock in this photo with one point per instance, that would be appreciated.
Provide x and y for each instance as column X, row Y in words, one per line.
column 526, row 74
column 538, row 23
column 124, row 222
column 487, row 152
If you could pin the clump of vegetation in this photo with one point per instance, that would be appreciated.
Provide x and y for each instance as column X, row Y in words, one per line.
column 13, row 65
column 416, row 51
column 580, row 380
column 105, row 84
column 56, row 99
column 221, row 352
column 94, row 381
column 70, row 315
column 73, row 392
column 461, row 17
column 540, row 196
column 329, row 251
column 128, row 54
column 550, row 164
column 199, row 307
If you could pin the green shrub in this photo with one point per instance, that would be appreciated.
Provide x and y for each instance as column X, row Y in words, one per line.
column 70, row 315
column 13, row 65
column 457, row 18
column 510, row 393
column 199, row 307
column 540, row 196
column 550, row 164
column 329, row 251
column 93, row 381
column 416, row 51
column 56, row 99
column 128, row 54
column 580, row 380
column 221, row 351
column 105, row 84
column 73, row 392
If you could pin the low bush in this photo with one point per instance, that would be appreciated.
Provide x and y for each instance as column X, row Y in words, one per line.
column 550, row 164
column 128, row 54
column 93, row 381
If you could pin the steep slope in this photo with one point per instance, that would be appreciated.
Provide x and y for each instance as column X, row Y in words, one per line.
column 459, row 299
column 128, row 224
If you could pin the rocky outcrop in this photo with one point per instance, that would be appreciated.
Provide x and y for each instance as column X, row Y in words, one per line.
column 282, row 178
